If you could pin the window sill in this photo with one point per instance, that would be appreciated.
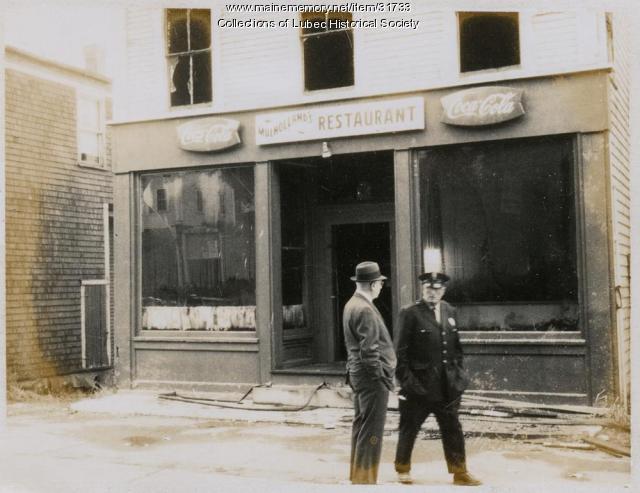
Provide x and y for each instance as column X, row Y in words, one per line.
column 573, row 338
column 248, row 337
column 93, row 166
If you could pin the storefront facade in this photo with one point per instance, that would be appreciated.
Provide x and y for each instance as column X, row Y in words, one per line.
column 237, row 235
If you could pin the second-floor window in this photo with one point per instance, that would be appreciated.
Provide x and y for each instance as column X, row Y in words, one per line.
column 189, row 55
column 327, row 43
column 91, row 131
column 488, row 40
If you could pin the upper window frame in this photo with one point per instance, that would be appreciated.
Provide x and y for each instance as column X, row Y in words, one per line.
column 305, row 36
column 100, row 130
column 168, row 55
column 502, row 68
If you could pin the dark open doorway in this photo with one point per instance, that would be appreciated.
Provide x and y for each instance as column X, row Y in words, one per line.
column 354, row 243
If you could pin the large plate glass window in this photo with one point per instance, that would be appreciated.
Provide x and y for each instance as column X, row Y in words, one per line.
column 499, row 218
column 198, row 250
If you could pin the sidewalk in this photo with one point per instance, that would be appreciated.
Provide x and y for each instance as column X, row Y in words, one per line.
column 134, row 442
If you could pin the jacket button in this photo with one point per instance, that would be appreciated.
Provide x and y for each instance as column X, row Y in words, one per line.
column 444, row 351
column 444, row 360
column 444, row 343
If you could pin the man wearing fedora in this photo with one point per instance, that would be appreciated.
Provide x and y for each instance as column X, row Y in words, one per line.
column 370, row 368
column 431, row 377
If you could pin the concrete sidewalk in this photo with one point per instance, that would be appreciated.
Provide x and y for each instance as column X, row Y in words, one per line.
column 135, row 442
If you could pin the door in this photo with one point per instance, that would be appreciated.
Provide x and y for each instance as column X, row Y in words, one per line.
column 353, row 243
column 348, row 235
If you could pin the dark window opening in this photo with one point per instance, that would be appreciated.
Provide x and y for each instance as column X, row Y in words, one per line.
column 199, row 201
column 488, row 40
column 327, row 42
column 161, row 199
column 189, row 55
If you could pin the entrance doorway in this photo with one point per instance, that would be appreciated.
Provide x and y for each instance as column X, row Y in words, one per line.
column 346, row 236
column 353, row 243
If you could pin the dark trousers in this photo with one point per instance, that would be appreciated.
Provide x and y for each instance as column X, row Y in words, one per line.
column 413, row 413
column 370, row 411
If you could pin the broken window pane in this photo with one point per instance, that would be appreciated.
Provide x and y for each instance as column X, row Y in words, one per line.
column 189, row 60
column 198, row 256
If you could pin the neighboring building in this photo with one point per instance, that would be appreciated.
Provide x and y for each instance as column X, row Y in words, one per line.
column 256, row 165
column 58, row 198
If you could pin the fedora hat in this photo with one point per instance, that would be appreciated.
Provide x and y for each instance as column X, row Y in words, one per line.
column 433, row 277
column 367, row 272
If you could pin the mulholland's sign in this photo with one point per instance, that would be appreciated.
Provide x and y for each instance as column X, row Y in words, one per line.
column 482, row 106
column 326, row 122
column 208, row 134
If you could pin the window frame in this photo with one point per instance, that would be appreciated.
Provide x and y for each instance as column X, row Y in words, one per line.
column 304, row 37
column 100, row 131
column 190, row 53
column 572, row 337
column 172, row 335
column 470, row 73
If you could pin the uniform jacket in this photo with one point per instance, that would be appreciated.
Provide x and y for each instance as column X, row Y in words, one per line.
column 371, row 356
column 429, row 353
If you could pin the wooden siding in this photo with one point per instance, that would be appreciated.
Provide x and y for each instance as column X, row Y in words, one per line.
column 619, row 162
column 54, row 227
column 261, row 68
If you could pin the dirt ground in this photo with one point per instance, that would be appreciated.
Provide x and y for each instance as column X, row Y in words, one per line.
column 82, row 451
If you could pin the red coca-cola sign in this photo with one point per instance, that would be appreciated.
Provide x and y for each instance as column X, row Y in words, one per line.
column 482, row 106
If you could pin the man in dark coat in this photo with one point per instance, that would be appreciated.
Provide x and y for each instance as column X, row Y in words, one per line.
column 431, row 377
column 370, row 366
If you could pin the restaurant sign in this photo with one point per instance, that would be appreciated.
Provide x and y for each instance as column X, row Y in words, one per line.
column 208, row 134
column 334, row 121
column 482, row 106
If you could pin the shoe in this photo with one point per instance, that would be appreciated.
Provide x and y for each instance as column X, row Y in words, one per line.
column 465, row 479
column 405, row 478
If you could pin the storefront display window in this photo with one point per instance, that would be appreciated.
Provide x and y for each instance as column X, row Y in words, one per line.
column 198, row 250
column 294, row 251
column 499, row 218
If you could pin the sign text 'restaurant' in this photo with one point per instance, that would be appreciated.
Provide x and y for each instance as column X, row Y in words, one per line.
column 326, row 122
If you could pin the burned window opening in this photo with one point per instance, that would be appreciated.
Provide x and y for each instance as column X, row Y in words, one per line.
column 189, row 55
column 327, row 43
column 488, row 40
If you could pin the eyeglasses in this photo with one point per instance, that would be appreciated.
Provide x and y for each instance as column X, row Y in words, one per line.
column 433, row 285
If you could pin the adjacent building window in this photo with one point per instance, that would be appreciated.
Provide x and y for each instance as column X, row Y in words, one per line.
column 500, row 220
column 488, row 40
column 198, row 267
column 91, row 131
column 327, row 42
column 189, row 55
column 161, row 200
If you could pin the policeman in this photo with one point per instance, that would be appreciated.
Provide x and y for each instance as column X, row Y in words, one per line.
column 431, row 376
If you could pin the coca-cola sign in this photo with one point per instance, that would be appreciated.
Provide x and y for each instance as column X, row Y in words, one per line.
column 482, row 106
column 208, row 134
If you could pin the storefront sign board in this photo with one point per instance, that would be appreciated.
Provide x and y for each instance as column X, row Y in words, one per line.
column 344, row 120
column 482, row 106
column 208, row 134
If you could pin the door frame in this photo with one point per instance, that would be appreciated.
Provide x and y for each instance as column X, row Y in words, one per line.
column 325, row 218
